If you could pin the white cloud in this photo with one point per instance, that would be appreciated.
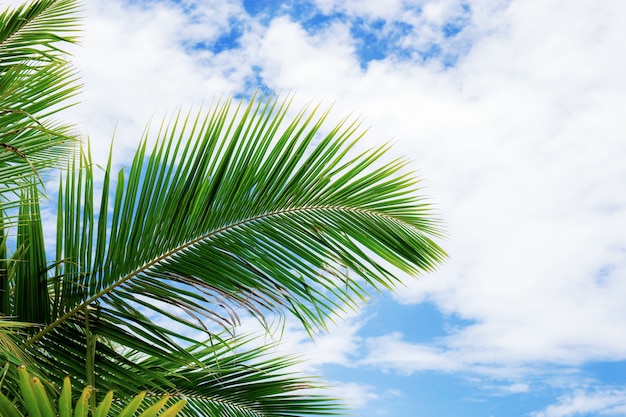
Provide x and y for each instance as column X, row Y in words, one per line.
column 370, row 9
column 353, row 394
column 338, row 346
column 516, row 388
column 537, row 209
column 522, row 147
column 134, row 66
column 391, row 352
column 608, row 402
column 291, row 59
column 418, row 11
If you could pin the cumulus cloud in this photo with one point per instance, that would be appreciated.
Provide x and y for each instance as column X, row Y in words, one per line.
column 142, row 60
column 537, row 247
column 339, row 345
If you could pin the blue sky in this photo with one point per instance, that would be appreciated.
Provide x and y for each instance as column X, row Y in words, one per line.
column 511, row 111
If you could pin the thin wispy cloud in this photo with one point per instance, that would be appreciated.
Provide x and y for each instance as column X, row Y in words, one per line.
column 602, row 403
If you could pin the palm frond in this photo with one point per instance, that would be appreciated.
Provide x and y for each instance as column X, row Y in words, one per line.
column 30, row 283
column 36, row 82
column 35, row 32
column 234, row 210
column 234, row 376
column 243, row 379
column 229, row 207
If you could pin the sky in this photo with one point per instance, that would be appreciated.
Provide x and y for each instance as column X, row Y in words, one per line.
column 512, row 112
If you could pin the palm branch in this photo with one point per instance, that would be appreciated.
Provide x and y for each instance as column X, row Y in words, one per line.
column 234, row 210
column 36, row 82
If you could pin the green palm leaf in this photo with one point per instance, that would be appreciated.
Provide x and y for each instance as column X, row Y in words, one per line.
column 246, row 381
column 238, row 377
column 234, row 211
column 36, row 82
column 35, row 31
column 227, row 211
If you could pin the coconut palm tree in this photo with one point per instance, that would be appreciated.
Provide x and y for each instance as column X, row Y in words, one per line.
column 239, row 210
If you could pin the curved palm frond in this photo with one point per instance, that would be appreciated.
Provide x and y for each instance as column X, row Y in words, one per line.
column 228, row 210
column 237, row 377
column 246, row 381
column 235, row 209
column 29, row 139
column 36, row 82
column 34, row 32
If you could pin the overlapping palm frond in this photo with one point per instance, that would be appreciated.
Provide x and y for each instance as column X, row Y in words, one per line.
column 243, row 378
column 233, row 210
column 36, row 82
column 264, row 389
column 36, row 32
column 251, row 217
column 225, row 376
column 221, row 207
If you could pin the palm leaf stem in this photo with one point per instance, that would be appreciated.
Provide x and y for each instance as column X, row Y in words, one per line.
column 191, row 243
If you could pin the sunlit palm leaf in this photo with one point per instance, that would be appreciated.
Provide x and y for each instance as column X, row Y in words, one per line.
column 30, row 301
column 36, row 82
column 229, row 211
column 35, row 31
column 243, row 380
column 235, row 377
column 234, row 210
column 252, row 217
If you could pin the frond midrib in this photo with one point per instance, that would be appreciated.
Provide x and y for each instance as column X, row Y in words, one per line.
column 197, row 240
